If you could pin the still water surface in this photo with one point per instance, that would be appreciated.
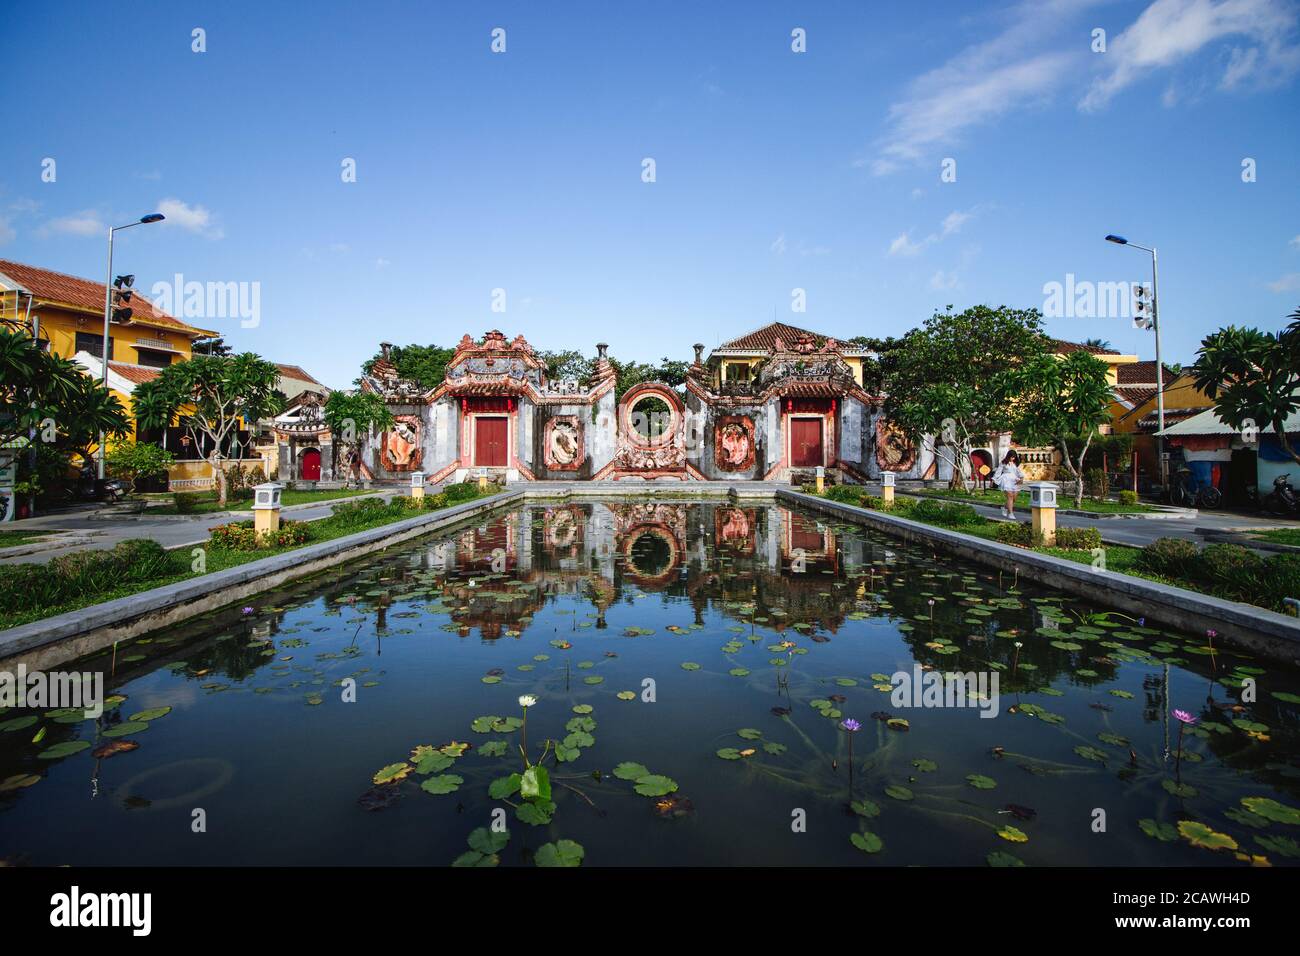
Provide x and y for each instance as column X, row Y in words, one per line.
column 740, row 638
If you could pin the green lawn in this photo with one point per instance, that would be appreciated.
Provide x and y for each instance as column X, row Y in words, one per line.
column 218, row 559
column 208, row 502
column 1120, row 559
column 1022, row 501
column 1279, row 536
column 11, row 539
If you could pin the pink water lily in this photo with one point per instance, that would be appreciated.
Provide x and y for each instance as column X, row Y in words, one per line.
column 1185, row 717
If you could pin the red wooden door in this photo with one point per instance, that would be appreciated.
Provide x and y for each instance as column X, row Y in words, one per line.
column 311, row 465
column 806, row 442
column 490, row 437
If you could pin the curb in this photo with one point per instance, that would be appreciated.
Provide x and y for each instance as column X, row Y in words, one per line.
column 53, row 640
column 1265, row 632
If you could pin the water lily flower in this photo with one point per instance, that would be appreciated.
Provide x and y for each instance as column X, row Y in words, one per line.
column 1184, row 716
column 1019, row 645
column 851, row 725
column 248, row 610
column 527, row 700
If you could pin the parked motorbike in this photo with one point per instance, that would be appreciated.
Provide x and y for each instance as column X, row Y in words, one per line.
column 90, row 488
column 1188, row 493
column 1282, row 500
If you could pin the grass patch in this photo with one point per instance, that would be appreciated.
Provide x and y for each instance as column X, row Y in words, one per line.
column 1022, row 501
column 1224, row 571
column 11, row 539
column 32, row 592
column 1279, row 536
column 207, row 502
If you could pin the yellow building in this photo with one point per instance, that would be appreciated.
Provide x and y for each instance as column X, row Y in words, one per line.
column 737, row 362
column 66, row 315
column 1134, row 410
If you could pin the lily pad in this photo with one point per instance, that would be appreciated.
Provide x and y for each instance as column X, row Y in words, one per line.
column 64, row 749
column 867, row 842
column 126, row 728
column 443, row 783
column 631, row 771
column 899, row 792
column 559, row 853
column 655, row 785
column 1198, row 834
column 981, row 782
column 1270, row 809
column 151, row 714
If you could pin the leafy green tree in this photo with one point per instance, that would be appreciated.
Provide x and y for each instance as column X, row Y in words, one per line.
column 37, row 388
column 950, row 377
column 139, row 459
column 211, row 397
column 634, row 373
column 1062, row 401
column 1253, row 377
column 426, row 364
column 213, row 345
column 567, row 364
column 352, row 416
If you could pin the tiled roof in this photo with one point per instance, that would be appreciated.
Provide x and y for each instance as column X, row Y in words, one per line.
column 764, row 339
column 1063, row 347
column 1143, row 373
column 1172, row 415
column 296, row 371
column 58, row 288
column 1135, row 394
column 135, row 373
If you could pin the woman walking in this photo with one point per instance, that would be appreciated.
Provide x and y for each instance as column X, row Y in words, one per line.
column 1008, row 478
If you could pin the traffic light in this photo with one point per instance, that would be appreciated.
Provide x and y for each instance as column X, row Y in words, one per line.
column 121, row 295
column 1143, row 308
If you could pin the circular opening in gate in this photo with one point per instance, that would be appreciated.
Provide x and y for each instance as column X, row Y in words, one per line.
column 652, row 419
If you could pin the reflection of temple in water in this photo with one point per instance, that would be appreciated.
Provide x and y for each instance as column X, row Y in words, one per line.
column 765, row 563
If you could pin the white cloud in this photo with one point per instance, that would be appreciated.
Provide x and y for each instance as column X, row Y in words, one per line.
column 943, row 280
column 7, row 233
column 952, row 224
column 1288, row 283
column 954, row 221
column 196, row 218
column 778, row 245
column 1296, row 242
column 980, row 84
column 85, row 223
column 382, row 263
column 1170, row 31
column 904, row 246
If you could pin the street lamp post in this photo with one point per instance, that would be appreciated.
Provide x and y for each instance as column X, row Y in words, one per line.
column 108, row 312
column 1160, row 369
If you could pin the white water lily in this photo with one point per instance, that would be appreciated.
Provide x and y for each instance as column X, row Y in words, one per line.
column 526, row 701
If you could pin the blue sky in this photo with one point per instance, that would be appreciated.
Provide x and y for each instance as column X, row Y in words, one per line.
column 775, row 170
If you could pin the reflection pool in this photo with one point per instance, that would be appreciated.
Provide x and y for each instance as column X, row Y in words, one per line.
column 697, row 671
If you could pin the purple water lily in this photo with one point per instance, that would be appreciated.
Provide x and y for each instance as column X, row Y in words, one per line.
column 851, row 725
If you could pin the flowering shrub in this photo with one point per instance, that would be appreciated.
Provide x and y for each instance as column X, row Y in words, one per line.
column 242, row 536
column 1078, row 539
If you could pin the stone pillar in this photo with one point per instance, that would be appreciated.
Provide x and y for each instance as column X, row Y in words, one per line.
column 887, row 488
column 1042, row 505
column 417, row 484
column 266, row 507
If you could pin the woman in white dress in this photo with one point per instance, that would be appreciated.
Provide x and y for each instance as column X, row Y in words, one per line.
column 1008, row 478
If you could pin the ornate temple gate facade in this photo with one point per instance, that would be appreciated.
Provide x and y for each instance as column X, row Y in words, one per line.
column 497, row 414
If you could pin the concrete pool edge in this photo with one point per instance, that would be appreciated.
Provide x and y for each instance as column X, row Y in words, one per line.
column 46, row 643
column 1256, row 629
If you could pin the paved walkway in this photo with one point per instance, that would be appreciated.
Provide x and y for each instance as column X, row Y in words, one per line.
column 89, row 531
column 1139, row 531
column 173, row 531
